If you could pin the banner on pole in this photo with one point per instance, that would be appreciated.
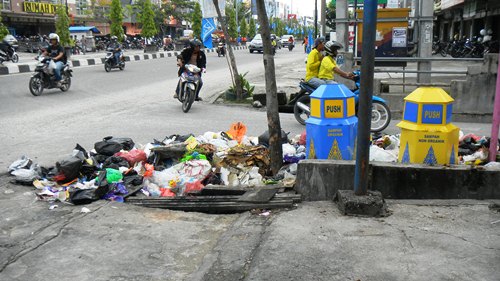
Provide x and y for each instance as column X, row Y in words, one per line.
column 208, row 8
column 208, row 27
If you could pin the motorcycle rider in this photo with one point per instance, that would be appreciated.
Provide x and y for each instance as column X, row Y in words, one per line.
column 313, row 63
column 192, row 55
column 56, row 52
column 117, row 51
column 329, row 65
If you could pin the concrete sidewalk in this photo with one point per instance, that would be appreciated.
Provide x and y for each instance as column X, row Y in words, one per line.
column 27, row 64
column 421, row 240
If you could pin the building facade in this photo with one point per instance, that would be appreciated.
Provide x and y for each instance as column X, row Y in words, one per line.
column 466, row 18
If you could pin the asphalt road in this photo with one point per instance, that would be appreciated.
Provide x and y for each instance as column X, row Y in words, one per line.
column 136, row 103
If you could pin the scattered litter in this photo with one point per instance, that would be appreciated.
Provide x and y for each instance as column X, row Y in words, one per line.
column 265, row 214
column 52, row 207
column 9, row 191
column 85, row 210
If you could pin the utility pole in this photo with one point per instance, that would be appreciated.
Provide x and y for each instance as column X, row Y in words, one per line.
column 342, row 26
column 426, row 10
column 323, row 18
column 365, row 98
column 315, row 18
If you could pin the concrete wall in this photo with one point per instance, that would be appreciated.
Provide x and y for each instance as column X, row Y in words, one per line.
column 320, row 180
column 474, row 97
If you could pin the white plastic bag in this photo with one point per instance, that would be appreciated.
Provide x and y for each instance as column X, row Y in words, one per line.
column 379, row 154
column 52, row 66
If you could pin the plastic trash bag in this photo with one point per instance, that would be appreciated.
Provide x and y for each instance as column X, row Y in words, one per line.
column 288, row 149
column 264, row 138
column 163, row 178
column 113, row 176
column 126, row 143
column 237, row 131
column 133, row 156
column 107, row 148
column 27, row 176
column 379, row 154
column 197, row 169
column 493, row 166
column 82, row 196
column 115, row 162
column 21, row 163
column 69, row 168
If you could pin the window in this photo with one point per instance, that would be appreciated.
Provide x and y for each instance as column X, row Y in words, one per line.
column 4, row 4
column 81, row 7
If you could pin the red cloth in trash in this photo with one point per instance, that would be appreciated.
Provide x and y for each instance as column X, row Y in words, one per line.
column 133, row 156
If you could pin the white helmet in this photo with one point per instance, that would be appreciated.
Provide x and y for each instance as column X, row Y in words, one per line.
column 53, row 36
column 482, row 32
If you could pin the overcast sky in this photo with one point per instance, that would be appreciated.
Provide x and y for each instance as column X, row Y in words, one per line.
column 306, row 7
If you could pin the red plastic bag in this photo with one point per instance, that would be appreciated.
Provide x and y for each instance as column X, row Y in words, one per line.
column 302, row 140
column 133, row 156
column 193, row 187
column 237, row 131
column 166, row 192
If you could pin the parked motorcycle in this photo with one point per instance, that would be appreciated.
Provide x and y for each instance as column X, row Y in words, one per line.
column 221, row 50
column 189, row 83
column 110, row 61
column 8, row 53
column 438, row 47
column 381, row 114
column 43, row 78
column 169, row 47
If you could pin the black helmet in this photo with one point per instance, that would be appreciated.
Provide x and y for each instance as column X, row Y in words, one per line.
column 332, row 46
column 194, row 43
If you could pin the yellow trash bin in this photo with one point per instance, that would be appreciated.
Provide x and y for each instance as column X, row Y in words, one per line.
column 427, row 134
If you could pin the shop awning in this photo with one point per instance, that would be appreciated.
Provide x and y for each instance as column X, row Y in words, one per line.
column 83, row 29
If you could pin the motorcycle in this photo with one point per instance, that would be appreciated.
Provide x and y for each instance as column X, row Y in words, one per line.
column 8, row 53
column 221, row 50
column 381, row 114
column 43, row 78
column 189, row 83
column 169, row 47
column 110, row 62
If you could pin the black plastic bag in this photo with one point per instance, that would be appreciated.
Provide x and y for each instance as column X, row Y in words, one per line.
column 70, row 168
column 115, row 162
column 264, row 138
column 127, row 143
column 82, row 196
column 107, row 148
column 102, row 185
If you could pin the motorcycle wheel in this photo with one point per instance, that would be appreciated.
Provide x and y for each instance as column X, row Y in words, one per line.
column 107, row 66
column 381, row 116
column 443, row 52
column 66, row 83
column 15, row 58
column 300, row 115
column 36, row 86
column 188, row 100
column 122, row 66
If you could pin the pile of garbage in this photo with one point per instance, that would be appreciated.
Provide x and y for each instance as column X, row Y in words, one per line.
column 472, row 150
column 176, row 166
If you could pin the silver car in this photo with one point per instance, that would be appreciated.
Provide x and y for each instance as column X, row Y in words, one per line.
column 256, row 44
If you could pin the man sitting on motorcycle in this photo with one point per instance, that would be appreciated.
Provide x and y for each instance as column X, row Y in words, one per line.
column 329, row 65
column 313, row 63
column 117, row 51
column 192, row 55
column 56, row 52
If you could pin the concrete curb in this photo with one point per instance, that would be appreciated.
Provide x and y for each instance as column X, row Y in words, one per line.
column 320, row 180
column 29, row 67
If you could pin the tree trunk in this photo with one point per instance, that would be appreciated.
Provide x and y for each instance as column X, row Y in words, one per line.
column 273, row 118
column 232, row 62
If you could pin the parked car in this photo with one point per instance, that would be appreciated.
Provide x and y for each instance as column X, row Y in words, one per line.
column 285, row 41
column 256, row 44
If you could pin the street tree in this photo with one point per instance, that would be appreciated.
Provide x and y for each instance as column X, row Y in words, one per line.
column 178, row 9
column 3, row 30
column 331, row 16
column 232, row 27
column 62, row 25
column 147, row 20
column 273, row 118
column 251, row 29
column 243, row 28
column 116, row 17
column 232, row 61
column 196, row 20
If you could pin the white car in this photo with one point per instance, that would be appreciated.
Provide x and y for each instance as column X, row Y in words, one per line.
column 256, row 44
column 285, row 41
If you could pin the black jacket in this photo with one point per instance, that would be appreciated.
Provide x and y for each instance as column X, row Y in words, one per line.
column 185, row 56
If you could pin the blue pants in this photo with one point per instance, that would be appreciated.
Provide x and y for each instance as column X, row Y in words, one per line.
column 316, row 82
column 117, row 57
column 57, row 70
